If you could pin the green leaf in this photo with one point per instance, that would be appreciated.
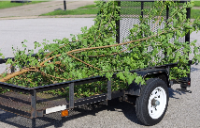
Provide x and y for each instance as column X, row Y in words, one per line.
column 178, row 33
column 23, row 45
column 121, row 76
column 9, row 61
column 138, row 79
column 109, row 75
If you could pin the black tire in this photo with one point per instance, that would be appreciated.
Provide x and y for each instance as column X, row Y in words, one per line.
column 142, row 108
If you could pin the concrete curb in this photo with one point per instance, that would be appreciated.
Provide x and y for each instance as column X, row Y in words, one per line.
column 56, row 16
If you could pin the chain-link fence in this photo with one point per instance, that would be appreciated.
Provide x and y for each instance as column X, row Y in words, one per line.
column 132, row 11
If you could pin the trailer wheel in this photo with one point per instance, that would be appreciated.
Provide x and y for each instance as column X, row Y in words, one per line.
column 152, row 104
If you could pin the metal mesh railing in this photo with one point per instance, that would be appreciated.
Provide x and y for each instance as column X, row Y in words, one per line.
column 16, row 102
column 130, row 14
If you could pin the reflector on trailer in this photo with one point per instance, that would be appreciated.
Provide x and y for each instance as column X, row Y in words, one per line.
column 64, row 113
column 56, row 109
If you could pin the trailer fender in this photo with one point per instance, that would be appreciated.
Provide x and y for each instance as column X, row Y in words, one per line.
column 134, row 88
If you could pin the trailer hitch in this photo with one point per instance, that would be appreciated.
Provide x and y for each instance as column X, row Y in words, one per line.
column 184, row 83
column 184, row 88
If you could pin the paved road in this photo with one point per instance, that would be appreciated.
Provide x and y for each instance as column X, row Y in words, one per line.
column 40, row 8
column 183, row 110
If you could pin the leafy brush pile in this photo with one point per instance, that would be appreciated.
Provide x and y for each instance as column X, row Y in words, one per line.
column 95, row 52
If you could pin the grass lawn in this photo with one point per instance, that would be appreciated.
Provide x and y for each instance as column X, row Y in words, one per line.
column 88, row 9
column 197, row 3
column 132, row 9
column 8, row 4
column 92, row 9
column 195, row 13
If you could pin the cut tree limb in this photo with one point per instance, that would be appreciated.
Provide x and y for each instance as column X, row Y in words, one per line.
column 17, row 74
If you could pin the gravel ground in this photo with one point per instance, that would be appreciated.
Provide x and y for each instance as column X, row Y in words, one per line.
column 183, row 110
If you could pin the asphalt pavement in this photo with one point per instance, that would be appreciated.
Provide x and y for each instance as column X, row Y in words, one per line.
column 183, row 110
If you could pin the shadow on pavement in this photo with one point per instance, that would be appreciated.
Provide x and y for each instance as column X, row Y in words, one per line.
column 178, row 91
column 193, row 69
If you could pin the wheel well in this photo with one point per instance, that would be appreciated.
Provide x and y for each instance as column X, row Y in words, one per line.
column 134, row 88
column 162, row 76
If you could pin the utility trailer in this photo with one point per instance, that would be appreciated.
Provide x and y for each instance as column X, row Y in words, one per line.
column 151, row 102
column 27, row 102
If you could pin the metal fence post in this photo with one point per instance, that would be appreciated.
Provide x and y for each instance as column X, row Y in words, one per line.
column 118, row 25
column 33, row 104
column 187, row 36
column 142, row 7
column 33, row 108
column 71, row 95
column 142, row 14
column 12, row 69
column 109, row 90
column 65, row 6
column 167, row 12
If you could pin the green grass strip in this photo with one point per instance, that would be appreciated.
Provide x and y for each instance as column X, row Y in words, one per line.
column 197, row 3
column 89, row 9
column 8, row 4
column 92, row 9
column 195, row 13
